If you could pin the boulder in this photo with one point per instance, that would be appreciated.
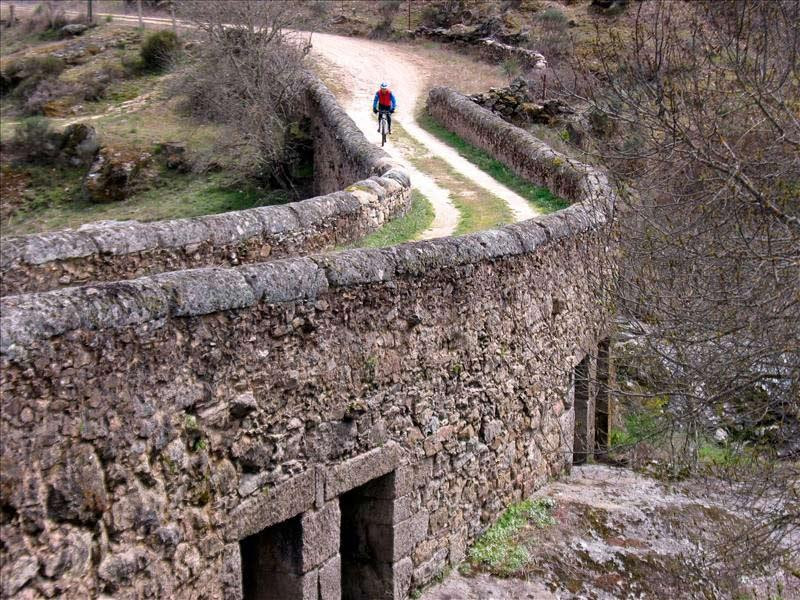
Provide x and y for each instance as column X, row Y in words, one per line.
column 113, row 175
column 79, row 144
column 73, row 29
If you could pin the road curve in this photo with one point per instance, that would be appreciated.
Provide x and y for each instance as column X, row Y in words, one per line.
column 366, row 63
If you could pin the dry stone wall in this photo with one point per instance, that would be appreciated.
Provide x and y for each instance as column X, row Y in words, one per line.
column 526, row 155
column 361, row 189
column 150, row 425
column 346, row 423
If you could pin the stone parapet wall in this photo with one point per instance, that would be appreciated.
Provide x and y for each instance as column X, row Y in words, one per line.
column 151, row 428
column 523, row 153
column 362, row 190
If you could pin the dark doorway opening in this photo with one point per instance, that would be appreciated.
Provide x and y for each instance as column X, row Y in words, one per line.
column 272, row 562
column 602, row 398
column 583, row 442
column 367, row 540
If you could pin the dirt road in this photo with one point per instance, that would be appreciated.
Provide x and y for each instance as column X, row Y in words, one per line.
column 365, row 64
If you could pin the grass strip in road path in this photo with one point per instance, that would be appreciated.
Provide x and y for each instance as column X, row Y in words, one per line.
column 540, row 197
column 478, row 208
column 405, row 228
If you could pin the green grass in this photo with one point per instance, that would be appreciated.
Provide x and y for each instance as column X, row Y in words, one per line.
column 405, row 228
column 642, row 425
column 499, row 550
column 53, row 200
column 478, row 209
column 540, row 197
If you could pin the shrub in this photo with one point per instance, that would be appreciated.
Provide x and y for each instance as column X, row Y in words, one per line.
column 442, row 13
column 511, row 67
column 46, row 20
column 159, row 49
column 35, row 141
column 387, row 9
column 318, row 9
column 34, row 69
column 93, row 86
column 554, row 18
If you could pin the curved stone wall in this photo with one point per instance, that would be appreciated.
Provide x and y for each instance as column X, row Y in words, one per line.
column 163, row 435
column 362, row 189
column 526, row 155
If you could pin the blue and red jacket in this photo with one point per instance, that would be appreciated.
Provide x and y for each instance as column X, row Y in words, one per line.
column 384, row 99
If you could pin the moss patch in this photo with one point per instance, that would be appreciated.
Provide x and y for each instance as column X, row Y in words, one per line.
column 500, row 550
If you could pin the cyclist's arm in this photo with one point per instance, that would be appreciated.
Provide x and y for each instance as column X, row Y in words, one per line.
column 375, row 102
column 394, row 103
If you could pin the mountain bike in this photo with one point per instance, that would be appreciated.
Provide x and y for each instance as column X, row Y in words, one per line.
column 383, row 125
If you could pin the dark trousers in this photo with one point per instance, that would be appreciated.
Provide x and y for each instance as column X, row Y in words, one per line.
column 388, row 116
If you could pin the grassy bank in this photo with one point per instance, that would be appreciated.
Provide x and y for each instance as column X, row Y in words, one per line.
column 52, row 199
column 405, row 228
column 540, row 197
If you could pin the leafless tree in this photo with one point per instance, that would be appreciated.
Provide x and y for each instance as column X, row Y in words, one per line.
column 699, row 110
column 248, row 75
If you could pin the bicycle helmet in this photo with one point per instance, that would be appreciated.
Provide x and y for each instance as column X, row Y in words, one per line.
column 384, row 86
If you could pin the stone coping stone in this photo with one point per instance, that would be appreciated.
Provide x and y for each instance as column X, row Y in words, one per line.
column 194, row 292
column 591, row 185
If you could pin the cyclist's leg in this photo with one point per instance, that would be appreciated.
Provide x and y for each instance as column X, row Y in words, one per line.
column 389, row 121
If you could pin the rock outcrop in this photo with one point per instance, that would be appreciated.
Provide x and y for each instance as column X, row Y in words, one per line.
column 490, row 39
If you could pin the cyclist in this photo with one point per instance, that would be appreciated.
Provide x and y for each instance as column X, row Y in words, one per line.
column 384, row 100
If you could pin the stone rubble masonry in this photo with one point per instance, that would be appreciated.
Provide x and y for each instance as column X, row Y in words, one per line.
column 149, row 425
column 526, row 155
column 360, row 189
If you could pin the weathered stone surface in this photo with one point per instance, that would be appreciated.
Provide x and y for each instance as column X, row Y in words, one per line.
column 516, row 105
column 73, row 29
column 361, row 469
column 286, row 280
column 77, row 490
column 113, row 175
column 220, row 402
column 79, row 144
column 401, row 577
column 320, row 535
column 17, row 573
column 430, row 568
column 409, row 533
column 232, row 573
column 202, row 291
column 330, row 579
column 277, row 504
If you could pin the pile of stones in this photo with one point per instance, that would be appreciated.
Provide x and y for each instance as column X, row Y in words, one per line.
column 516, row 105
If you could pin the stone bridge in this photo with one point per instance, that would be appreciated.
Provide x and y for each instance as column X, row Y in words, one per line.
column 205, row 408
